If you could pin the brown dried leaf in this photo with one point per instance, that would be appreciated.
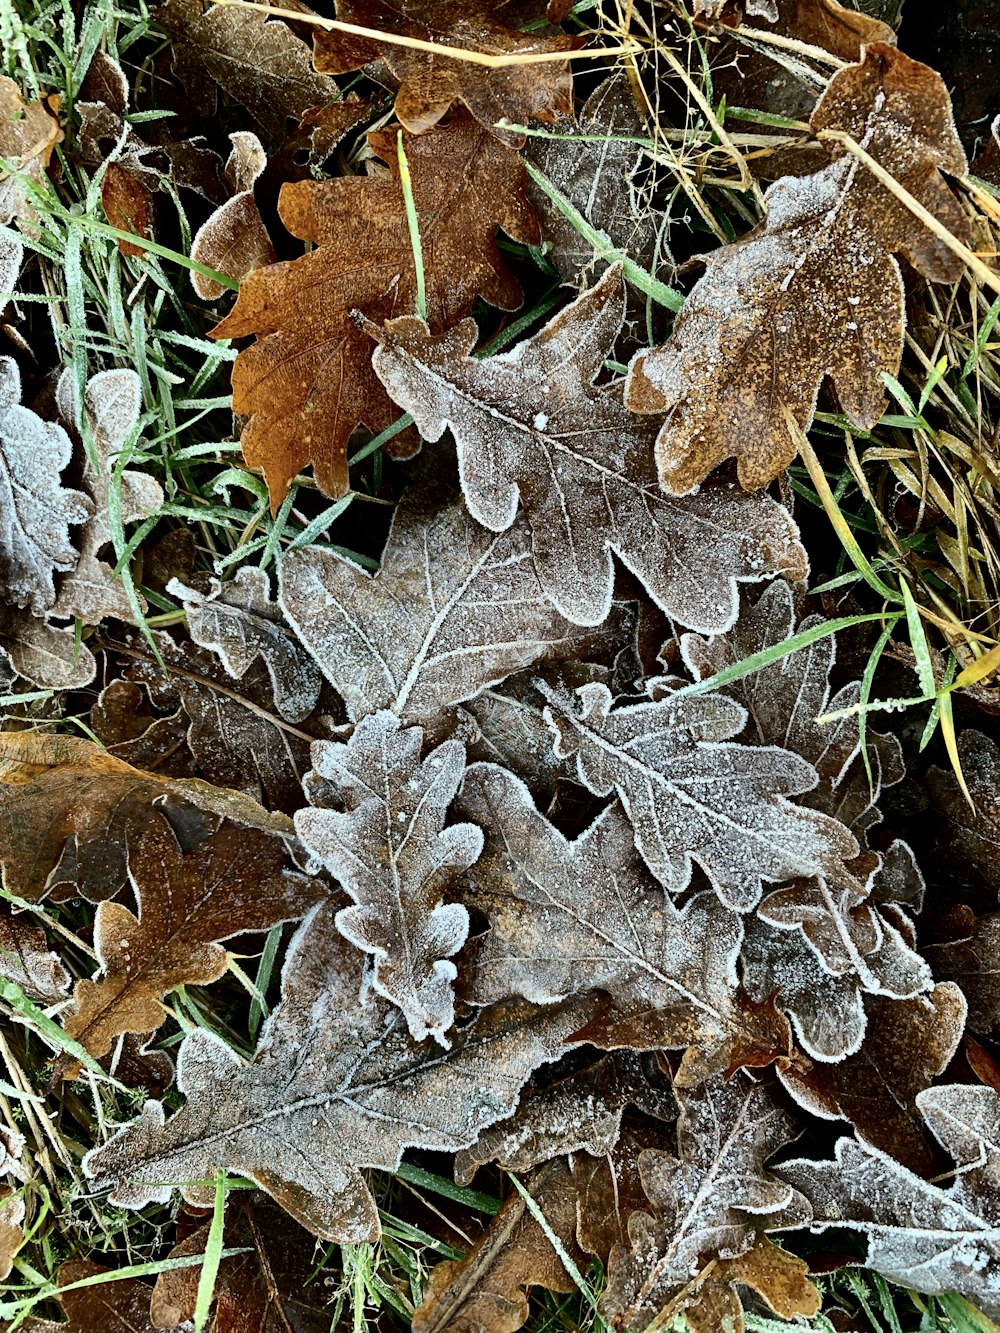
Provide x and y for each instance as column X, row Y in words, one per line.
column 337, row 1085
column 128, row 205
column 28, row 136
column 266, row 1290
column 236, row 880
column 114, row 1306
column 36, row 511
column 453, row 608
column 975, row 964
column 972, row 837
column 46, row 655
column 26, row 959
column 485, row 1291
column 920, row 1235
column 234, row 239
column 531, row 427
column 393, row 856
column 908, row 1043
column 710, row 1303
column 429, row 82
column 256, row 60
column 11, row 1232
column 694, row 795
column 308, row 381
column 814, row 292
column 707, row 1198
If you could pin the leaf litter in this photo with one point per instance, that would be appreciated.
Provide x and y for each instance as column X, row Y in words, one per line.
column 496, row 800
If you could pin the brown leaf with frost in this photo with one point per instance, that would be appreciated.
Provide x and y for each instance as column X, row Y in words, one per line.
column 814, row 292
column 112, row 1306
column 908, row 1043
column 430, row 82
column 256, row 60
column 534, row 431
column 452, row 609
column 46, row 655
column 971, row 837
column 234, row 240
column 266, row 1290
column 28, row 136
column 26, row 959
column 234, row 881
column 11, row 1230
column 974, row 963
column 307, row 381
column 337, row 1085
column 66, row 806
column 711, row 1303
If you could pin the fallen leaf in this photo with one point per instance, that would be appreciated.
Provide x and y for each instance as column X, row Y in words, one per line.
column 307, row 381
column 974, row 963
column 815, row 291
column 389, row 850
column 712, row 1199
column 26, row 959
column 908, row 1043
column 111, row 407
column 28, row 136
column 452, row 609
column 36, row 511
column 694, row 795
column 11, row 1231
column 256, row 60
column 113, row 1306
column 711, row 1303
column 234, row 240
column 233, row 882
column 128, row 206
column 429, row 82
column 47, row 656
column 266, row 1290
column 337, row 1085
column 532, row 427
column 920, row 1235
column 972, row 837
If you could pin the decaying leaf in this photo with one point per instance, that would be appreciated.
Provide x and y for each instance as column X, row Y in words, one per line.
column 28, row 136
column 11, row 1231
column 112, row 1306
column 337, row 1084
column 266, row 1290
column 393, row 856
column 908, row 1043
column 26, row 959
column 974, row 963
column 252, row 58
column 708, row 1198
column 48, row 656
column 36, row 511
column 694, row 795
column 234, row 881
column 429, row 82
column 111, row 407
column 532, row 427
column 973, row 837
column 454, row 608
column 307, row 381
column 710, row 1302
column 921, row 1235
column 814, row 292
column 234, row 240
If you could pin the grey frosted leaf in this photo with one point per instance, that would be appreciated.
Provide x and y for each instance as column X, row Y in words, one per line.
column 920, row 1235
column 975, row 964
column 36, row 511
column 567, row 917
column 694, row 795
column 240, row 623
column 336, row 1085
column 11, row 258
column 712, row 1199
column 26, row 959
column 44, row 654
column 234, row 240
column 531, row 426
column 592, row 163
column 454, row 608
column 111, row 407
column 390, row 851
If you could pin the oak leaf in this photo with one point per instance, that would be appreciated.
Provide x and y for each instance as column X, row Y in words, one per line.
column 391, row 853
column 531, row 427
column 11, row 1230
column 710, row 1302
column 815, row 291
column 337, row 1085
column 453, row 608
column 46, row 655
column 712, row 1199
column 307, row 382
column 972, row 837
column 232, row 882
column 920, row 1235
column 974, row 963
column 429, row 82
column 234, row 240
column 26, row 960
column 28, row 137
column 694, row 795
column 113, row 1306
column 36, row 511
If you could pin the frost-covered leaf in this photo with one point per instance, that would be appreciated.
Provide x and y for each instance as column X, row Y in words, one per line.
column 307, row 381
column 390, row 851
column 234, row 240
column 28, row 136
column 532, row 427
column 908, row 1043
column 814, row 292
column 240, row 623
column 36, row 511
column 26, row 959
column 112, row 1306
column 11, row 1232
column 429, row 82
column 694, row 795
column 971, row 837
column 708, row 1198
column 453, row 608
column 974, row 962
column 337, row 1085
column 567, row 917
column 46, row 655
column 111, row 406
column 236, row 880
column 920, row 1235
